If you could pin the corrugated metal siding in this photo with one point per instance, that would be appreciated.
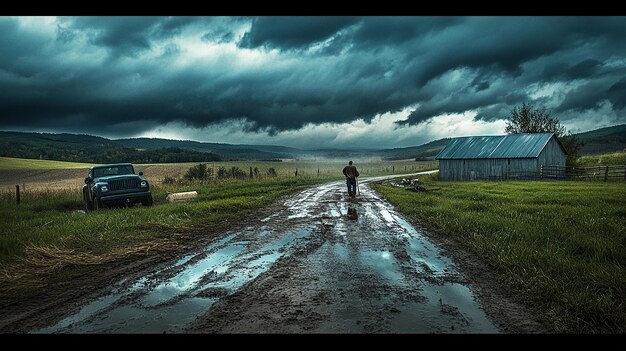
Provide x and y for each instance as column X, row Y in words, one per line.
column 499, row 146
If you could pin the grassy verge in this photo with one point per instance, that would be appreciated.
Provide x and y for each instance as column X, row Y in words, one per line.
column 45, row 233
column 560, row 247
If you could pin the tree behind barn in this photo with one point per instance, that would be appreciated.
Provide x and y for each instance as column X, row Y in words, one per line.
column 527, row 119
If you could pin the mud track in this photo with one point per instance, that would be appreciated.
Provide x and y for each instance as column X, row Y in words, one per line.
column 317, row 262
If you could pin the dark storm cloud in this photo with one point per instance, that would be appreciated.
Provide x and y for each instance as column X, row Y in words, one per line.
column 125, row 75
column 128, row 35
column 292, row 32
column 617, row 94
column 586, row 96
column 583, row 69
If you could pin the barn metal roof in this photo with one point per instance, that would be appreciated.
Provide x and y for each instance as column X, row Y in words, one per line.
column 497, row 146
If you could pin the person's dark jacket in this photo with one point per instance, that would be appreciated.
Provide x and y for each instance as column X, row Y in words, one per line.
column 350, row 171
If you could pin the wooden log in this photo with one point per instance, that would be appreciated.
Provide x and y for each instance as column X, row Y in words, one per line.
column 184, row 196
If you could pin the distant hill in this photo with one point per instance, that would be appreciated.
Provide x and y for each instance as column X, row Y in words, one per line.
column 599, row 141
column 425, row 151
column 88, row 148
column 225, row 151
column 603, row 140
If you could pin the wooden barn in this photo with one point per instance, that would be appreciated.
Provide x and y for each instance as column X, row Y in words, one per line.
column 513, row 156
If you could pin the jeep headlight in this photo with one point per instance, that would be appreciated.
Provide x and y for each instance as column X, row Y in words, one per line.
column 143, row 184
column 104, row 188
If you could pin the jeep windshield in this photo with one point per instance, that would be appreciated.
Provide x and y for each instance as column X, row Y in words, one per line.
column 112, row 171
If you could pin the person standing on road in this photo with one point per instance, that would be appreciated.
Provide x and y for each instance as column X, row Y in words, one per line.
column 351, row 173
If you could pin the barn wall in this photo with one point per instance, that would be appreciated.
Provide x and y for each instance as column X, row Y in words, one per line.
column 552, row 154
column 473, row 169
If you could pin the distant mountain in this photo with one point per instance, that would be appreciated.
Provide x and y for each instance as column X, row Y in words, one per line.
column 425, row 151
column 603, row 140
column 226, row 151
column 55, row 139
column 88, row 148
column 597, row 141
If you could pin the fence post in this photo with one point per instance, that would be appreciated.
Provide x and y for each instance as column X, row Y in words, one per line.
column 606, row 173
column 318, row 171
column 296, row 172
column 17, row 194
column 393, row 169
column 250, row 172
column 541, row 173
column 624, row 172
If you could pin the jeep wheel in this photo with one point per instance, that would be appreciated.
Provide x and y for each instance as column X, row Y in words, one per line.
column 88, row 206
column 147, row 201
column 96, row 204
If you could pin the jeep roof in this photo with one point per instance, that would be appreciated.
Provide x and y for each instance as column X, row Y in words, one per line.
column 112, row 165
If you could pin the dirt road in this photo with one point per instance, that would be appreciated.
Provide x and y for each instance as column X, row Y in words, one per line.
column 319, row 262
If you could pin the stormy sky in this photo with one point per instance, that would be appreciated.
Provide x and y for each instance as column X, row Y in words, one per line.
column 308, row 82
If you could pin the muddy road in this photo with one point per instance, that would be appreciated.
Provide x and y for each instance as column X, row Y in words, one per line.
column 319, row 262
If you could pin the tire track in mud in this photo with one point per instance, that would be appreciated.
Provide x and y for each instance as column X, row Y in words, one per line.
column 307, row 267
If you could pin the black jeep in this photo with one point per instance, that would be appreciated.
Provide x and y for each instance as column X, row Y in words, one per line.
column 115, row 184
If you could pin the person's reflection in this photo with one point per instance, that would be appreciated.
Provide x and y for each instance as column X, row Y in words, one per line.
column 352, row 215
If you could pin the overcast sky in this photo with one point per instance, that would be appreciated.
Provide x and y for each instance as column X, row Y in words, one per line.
column 308, row 82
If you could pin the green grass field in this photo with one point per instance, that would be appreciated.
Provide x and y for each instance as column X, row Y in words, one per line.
column 8, row 163
column 614, row 158
column 560, row 247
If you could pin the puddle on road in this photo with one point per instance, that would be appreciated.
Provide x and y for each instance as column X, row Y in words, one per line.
column 377, row 262
column 387, row 216
column 448, row 308
column 154, row 305
column 371, row 284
